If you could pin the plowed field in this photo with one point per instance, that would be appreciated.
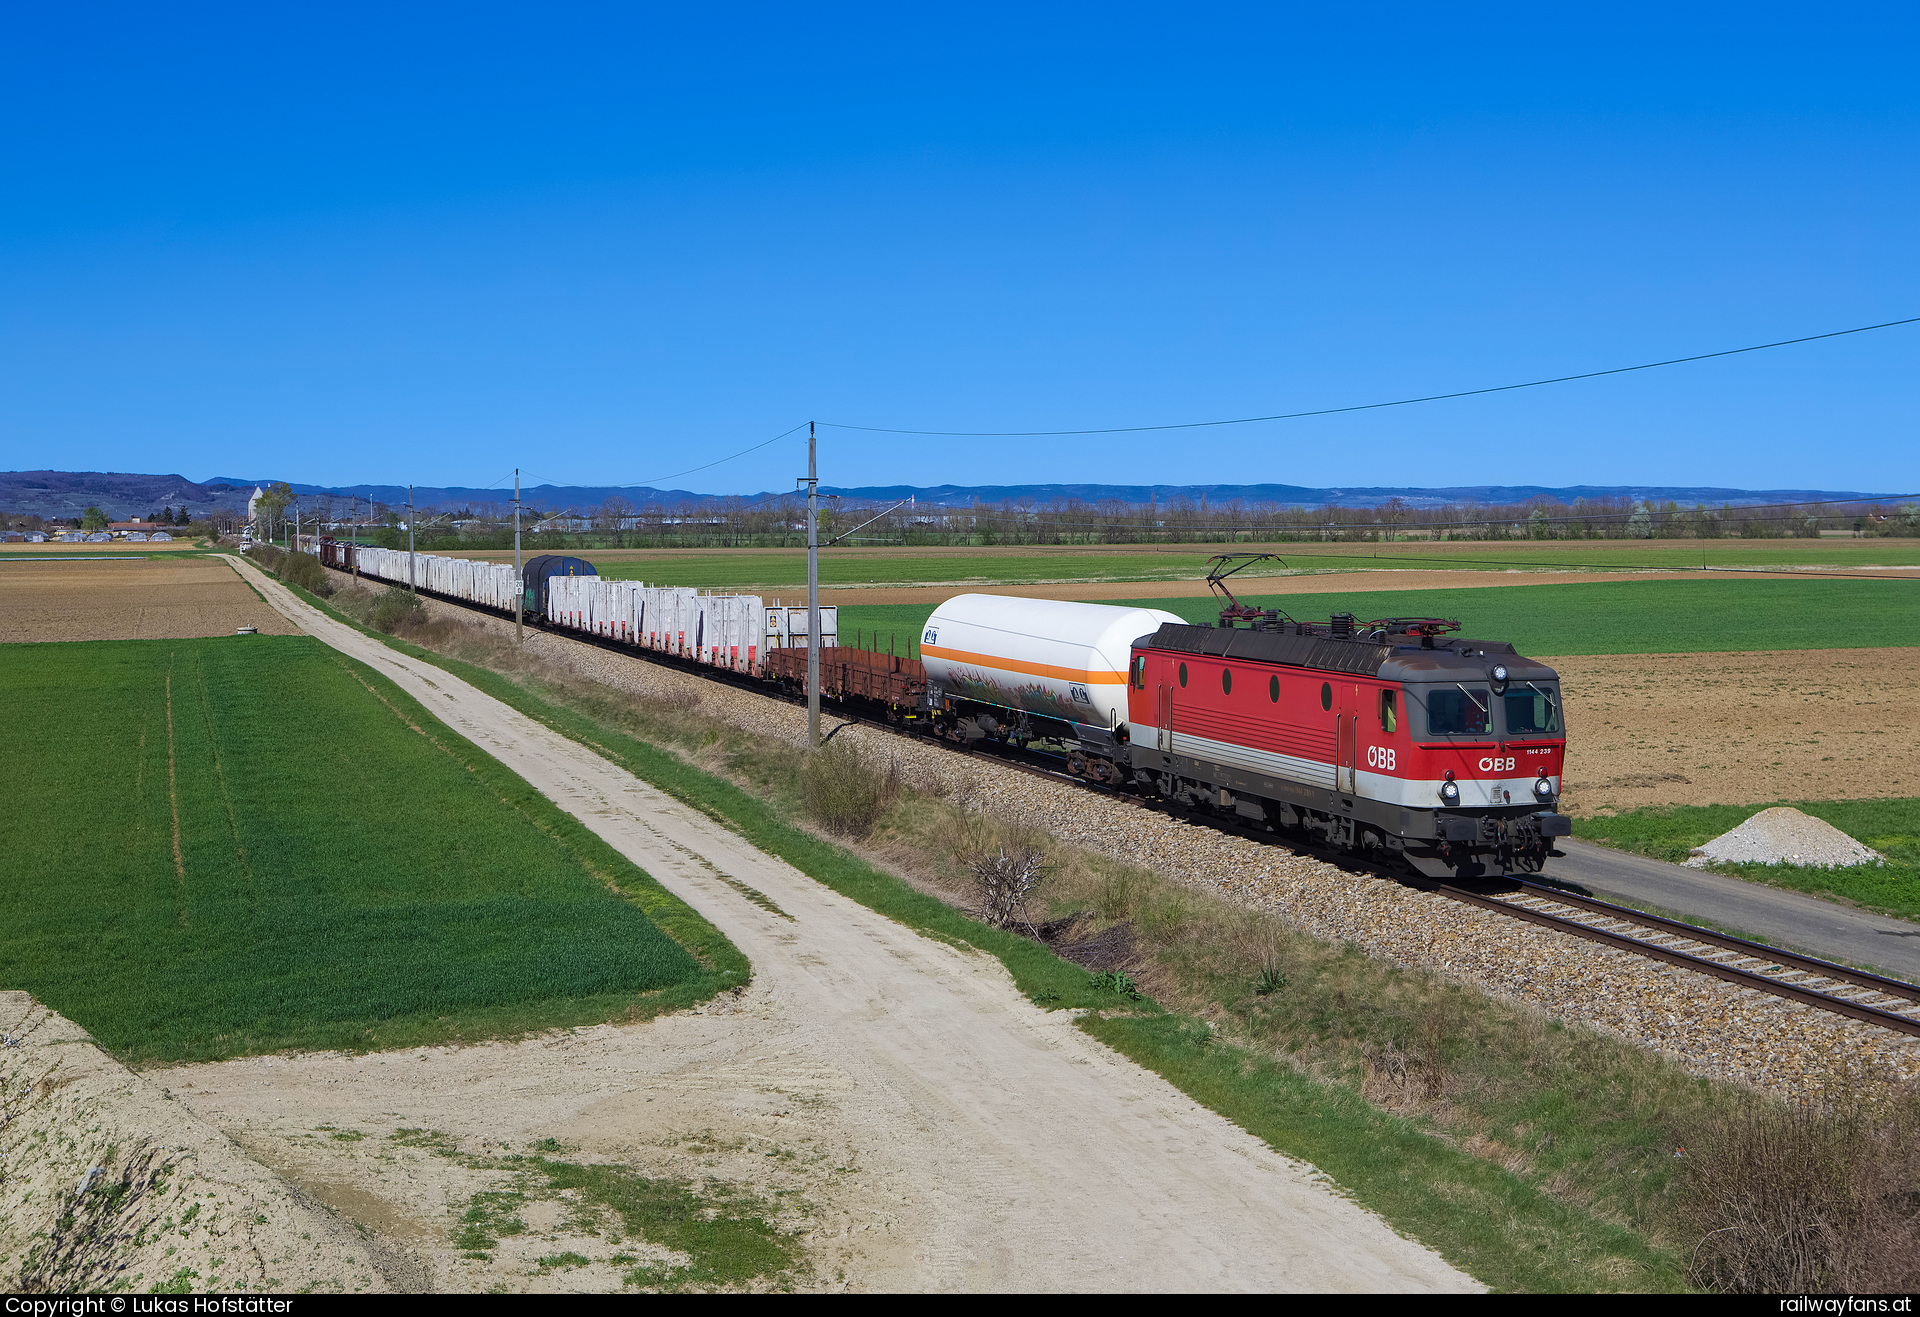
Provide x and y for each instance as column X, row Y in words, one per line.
column 1737, row 729
column 140, row 599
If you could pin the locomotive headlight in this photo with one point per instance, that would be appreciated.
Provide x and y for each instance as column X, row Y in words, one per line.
column 1499, row 672
column 1450, row 790
column 1543, row 788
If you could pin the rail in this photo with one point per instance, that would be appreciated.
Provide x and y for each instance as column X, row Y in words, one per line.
column 1858, row 994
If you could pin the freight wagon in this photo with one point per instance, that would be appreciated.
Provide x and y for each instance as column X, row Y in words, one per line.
column 732, row 632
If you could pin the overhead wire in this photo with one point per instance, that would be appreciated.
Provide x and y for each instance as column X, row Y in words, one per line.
column 1375, row 406
column 675, row 475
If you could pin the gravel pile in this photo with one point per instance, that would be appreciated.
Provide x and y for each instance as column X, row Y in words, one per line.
column 1785, row 836
column 1711, row 1028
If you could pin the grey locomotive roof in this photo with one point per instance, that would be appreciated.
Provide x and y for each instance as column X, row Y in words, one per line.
column 1450, row 659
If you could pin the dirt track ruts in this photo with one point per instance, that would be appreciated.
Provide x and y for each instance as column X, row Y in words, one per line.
column 1014, row 1151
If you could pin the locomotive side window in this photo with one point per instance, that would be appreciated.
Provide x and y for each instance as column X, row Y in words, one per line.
column 1183, row 674
column 1273, row 689
column 1458, row 711
column 1140, row 672
column 1389, row 713
column 1226, row 681
column 1326, row 696
column 1531, row 711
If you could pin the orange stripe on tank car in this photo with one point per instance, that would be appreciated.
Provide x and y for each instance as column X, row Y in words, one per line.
column 1031, row 669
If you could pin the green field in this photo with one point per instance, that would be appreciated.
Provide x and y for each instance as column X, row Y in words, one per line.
column 245, row 844
column 1891, row 827
column 1601, row 617
column 746, row 569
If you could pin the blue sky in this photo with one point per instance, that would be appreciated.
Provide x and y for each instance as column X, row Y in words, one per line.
column 392, row 243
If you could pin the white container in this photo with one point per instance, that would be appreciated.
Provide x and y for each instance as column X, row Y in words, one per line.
column 1066, row 661
column 787, row 627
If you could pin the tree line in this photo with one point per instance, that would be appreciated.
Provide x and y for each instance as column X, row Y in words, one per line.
column 735, row 523
column 778, row 523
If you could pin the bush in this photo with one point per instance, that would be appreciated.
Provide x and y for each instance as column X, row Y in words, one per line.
column 1805, row 1199
column 305, row 571
column 267, row 555
column 396, row 607
column 845, row 792
column 1002, row 881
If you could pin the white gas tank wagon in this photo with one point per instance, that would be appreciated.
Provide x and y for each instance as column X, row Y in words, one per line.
column 1054, row 660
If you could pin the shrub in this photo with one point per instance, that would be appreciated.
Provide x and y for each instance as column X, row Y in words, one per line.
column 840, row 788
column 267, row 555
column 305, row 571
column 1805, row 1199
column 1002, row 881
column 396, row 607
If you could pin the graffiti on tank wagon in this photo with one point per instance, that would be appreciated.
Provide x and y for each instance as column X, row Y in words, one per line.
column 1033, row 696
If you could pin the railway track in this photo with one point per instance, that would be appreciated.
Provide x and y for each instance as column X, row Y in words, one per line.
column 1870, row 998
column 1867, row 997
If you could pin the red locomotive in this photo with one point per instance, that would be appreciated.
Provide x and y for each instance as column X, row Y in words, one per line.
column 1388, row 737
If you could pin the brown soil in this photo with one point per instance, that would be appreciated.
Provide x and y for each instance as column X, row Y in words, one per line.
column 139, row 599
column 1739, row 729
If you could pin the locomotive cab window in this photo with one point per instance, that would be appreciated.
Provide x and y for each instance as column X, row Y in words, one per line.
column 1389, row 713
column 1459, row 711
column 1140, row 672
column 1531, row 710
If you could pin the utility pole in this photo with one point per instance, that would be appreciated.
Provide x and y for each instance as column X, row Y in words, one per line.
column 813, row 593
column 411, row 584
column 519, row 581
column 353, row 522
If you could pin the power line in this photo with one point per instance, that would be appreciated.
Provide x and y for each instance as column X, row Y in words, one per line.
column 742, row 453
column 635, row 484
column 1374, row 406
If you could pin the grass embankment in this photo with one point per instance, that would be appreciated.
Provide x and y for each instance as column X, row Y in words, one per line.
column 1532, row 1156
column 1891, row 827
column 849, row 564
column 1600, row 617
column 251, row 843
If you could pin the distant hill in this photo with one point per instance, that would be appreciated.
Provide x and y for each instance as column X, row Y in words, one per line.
column 119, row 495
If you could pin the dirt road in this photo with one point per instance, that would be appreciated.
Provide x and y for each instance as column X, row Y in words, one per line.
column 988, row 1145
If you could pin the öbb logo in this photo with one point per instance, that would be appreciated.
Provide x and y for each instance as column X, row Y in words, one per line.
column 1491, row 765
column 1380, row 756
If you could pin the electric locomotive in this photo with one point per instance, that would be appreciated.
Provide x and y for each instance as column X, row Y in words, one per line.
column 1390, row 737
column 1396, row 739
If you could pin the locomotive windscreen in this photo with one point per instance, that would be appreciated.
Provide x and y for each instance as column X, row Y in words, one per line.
column 1459, row 711
column 1532, row 711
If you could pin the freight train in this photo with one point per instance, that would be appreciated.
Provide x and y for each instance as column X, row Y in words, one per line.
column 1395, row 739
